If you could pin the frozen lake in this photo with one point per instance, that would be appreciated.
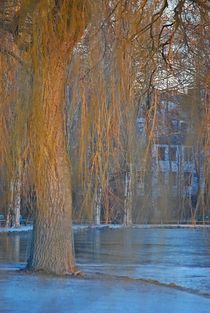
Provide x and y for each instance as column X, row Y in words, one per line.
column 128, row 270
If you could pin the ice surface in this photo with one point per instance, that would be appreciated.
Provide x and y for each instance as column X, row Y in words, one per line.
column 20, row 293
column 133, row 265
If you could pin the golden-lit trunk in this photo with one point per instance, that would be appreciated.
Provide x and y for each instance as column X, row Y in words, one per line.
column 52, row 246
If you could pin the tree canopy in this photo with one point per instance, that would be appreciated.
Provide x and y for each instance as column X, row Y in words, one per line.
column 74, row 75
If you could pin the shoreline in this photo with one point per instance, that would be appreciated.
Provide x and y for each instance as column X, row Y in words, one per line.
column 111, row 226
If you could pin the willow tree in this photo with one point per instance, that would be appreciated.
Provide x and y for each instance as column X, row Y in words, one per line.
column 57, row 27
column 47, row 33
column 41, row 37
column 108, row 102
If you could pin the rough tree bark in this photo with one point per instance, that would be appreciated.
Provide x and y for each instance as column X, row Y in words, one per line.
column 52, row 245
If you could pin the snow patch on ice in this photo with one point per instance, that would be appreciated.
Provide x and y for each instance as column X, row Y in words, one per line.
column 77, row 227
column 16, row 229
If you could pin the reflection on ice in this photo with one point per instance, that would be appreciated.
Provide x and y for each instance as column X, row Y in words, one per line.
column 178, row 256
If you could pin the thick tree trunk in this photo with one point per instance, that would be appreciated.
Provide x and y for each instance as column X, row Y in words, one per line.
column 52, row 244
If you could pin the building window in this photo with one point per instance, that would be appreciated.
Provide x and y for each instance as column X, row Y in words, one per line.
column 172, row 153
column 183, row 127
column 187, row 179
column 188, row 154
column 161, row 153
